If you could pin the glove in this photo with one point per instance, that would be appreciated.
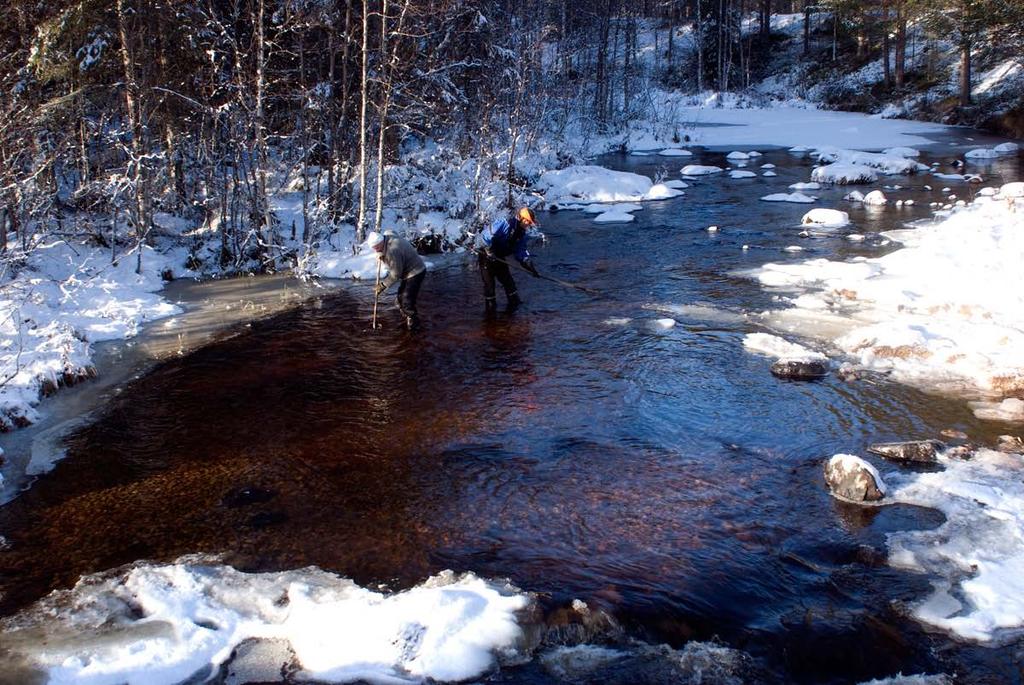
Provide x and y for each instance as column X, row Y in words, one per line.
column 380, row 289
column 528, row 265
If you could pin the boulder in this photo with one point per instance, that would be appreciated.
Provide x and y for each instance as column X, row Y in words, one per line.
column 918, row 451
column 800, row 369
column 851, row 478
column 1011, row 444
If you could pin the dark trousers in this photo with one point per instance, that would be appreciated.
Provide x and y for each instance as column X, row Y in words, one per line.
column 491, row 269
column 408, row 291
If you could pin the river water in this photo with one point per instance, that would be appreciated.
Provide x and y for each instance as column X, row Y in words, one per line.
column 575, row 447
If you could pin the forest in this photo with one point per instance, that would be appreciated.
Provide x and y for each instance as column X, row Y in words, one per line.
column 127, row 119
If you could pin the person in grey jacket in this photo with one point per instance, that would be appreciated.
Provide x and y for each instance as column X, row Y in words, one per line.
column 405, row 267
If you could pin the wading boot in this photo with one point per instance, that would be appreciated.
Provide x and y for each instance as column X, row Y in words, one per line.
column 514, row 302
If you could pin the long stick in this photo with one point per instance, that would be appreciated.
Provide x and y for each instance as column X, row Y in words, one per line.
column 376, row 295
column 566, row 284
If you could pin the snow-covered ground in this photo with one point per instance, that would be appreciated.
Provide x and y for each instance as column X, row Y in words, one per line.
column 65, row 297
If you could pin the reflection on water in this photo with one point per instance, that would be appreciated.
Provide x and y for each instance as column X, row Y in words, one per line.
column 663, row 475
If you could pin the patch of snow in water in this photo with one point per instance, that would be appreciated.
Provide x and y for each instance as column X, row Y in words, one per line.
column 789, row 197
column 700, row 170
column 977, row 554
column 156, row 624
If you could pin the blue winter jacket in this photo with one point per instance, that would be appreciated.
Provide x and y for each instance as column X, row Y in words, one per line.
column 506, row 237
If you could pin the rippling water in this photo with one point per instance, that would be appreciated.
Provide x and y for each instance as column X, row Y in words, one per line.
column 662, row 474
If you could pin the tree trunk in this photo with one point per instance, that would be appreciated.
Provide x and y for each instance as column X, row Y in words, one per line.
column 133, row 112
column 364, row 97
column 965, row 74
column 901, row 45
column 807, row 27
column 886, row 47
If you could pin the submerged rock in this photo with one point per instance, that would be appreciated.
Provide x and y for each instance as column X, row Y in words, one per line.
column 800, row 369
column 919, row 451
column 851, row 478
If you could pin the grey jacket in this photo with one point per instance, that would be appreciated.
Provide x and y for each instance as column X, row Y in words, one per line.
column 402, row 260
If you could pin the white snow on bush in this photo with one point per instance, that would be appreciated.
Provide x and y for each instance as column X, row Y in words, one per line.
column 844, row 174
column 828, row 218
column 977, row 555
column 945, row 313
column 789, row 197
column 700, row 170
column 163, row 624
column 739, row 173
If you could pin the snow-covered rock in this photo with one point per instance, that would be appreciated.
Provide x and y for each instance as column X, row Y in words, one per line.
column 981, row 153
column 919, row 451
column 875, row 198
column 700, row 170
column 805, row 186
column 675, row 152
column 800, row 369
column 828, row 218
column 1007, row 148
column 844, row 174
column 587, row 184
column 789, row 197
column 853, row 479
column 738, row 173
column 769, row 174
column 908, row 152
column 615, row 214
column 737, row 155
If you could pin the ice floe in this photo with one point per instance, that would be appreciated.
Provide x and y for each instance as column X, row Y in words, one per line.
column 789, row 197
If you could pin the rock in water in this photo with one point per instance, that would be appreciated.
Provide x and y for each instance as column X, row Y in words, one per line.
column 1011, row 444
column 800, row 369
column 919, row 451
column 851, row 478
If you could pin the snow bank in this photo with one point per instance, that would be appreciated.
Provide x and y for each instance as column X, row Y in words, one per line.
column 700, row 170
column 945, row 313
column 977, row 555
column 62, row 300
column 827, row 218
column 157, row 624
column 788, row 197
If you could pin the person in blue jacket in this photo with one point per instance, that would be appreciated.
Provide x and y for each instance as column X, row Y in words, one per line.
column 505, row 237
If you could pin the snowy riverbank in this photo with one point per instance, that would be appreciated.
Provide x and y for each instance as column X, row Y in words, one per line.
column 944, row 313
